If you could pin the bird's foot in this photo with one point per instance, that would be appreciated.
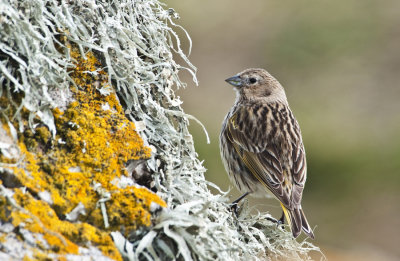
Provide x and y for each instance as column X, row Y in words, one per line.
column 279, row 222
column 234, row 208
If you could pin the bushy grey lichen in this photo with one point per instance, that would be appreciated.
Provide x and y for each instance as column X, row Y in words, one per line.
column 137, row 43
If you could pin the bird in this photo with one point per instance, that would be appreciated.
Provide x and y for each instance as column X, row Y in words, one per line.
column 262, row 147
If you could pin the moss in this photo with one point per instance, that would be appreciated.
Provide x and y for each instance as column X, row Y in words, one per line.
column 94, row 140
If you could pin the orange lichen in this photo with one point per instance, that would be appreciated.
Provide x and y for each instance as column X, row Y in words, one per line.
column 121, row 209
column 94, row 140
column 38, row 217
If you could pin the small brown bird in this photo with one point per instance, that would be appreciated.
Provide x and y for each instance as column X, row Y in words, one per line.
column 261, row 145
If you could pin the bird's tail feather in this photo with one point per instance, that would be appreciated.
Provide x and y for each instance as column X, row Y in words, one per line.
column 297, row 221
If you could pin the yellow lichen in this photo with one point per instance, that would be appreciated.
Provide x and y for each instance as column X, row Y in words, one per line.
column 94, row 140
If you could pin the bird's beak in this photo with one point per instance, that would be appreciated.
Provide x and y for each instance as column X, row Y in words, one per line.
column 235, row 81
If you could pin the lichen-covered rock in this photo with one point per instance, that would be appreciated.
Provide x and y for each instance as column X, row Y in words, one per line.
column 48, row 178
column 96, row 161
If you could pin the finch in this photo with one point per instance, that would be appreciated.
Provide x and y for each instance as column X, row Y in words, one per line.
column 261, row 145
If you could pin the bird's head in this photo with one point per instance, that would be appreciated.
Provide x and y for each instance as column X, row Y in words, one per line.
column 257, row 84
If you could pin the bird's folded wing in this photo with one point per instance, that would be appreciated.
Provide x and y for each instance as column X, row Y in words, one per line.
column 260, row 158
column 299, row 172
column 299, row 168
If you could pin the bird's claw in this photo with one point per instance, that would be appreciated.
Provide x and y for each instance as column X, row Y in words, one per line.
column 279, row 222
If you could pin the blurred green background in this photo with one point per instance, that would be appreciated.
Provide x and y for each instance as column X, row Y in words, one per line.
column 339, row 62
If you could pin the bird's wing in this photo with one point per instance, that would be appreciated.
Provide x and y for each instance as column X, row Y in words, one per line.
column 299, row 171
column 264, row 159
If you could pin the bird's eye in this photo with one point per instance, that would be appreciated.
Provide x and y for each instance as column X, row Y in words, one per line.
column 252, row 80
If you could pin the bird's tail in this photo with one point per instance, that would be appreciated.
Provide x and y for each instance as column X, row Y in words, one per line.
column 297, row 221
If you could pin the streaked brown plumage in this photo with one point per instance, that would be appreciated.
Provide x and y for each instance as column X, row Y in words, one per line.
column 261, row 145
